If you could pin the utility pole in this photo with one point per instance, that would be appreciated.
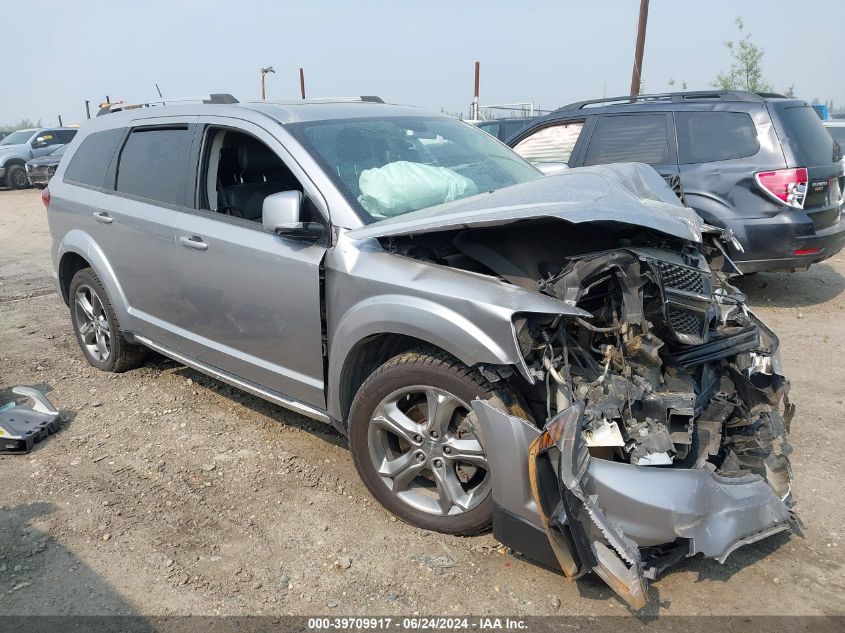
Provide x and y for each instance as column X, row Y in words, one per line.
column 473, row 114
column 264, row 71
column 302, row 82
column 87, row 109
column 637, row 73
column 60, row 121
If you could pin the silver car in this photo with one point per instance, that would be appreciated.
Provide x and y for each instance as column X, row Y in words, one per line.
column 560, row 356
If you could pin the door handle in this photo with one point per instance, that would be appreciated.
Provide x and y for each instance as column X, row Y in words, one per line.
column 194, row 242
column 102, row 216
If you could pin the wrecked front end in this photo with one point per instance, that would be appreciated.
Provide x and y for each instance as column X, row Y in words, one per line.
column 667, row 421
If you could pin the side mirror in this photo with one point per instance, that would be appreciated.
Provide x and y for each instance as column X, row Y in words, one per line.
column 281, row 214
column 39, row 142
column 551, row 168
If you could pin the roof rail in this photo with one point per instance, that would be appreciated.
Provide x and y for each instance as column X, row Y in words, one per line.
column 675, row 97
column 119, row 106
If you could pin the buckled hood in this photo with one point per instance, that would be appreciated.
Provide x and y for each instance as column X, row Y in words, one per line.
column 627, row 193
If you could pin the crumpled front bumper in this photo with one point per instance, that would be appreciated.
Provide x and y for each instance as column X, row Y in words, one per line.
column 626, row 523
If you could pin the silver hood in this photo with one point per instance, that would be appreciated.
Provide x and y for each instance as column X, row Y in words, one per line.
column 629, row 193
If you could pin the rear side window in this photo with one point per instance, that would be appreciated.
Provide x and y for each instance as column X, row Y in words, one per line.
column 709, row 136
column 65, row 136
column 553, row 144
column 641, row 138
column 91, row 160
column 153, row 164
column 806, row 129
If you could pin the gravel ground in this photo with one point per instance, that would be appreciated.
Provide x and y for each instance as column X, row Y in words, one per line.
column 167, row 492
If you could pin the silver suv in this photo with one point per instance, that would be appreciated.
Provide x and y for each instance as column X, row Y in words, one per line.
column 23, row 145
column 561, row 356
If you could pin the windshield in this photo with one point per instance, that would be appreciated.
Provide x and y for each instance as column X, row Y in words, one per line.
column 394, row 165
column 16, row 138
column 58, row 151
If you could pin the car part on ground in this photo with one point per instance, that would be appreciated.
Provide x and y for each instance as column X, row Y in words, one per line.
column 22, row 426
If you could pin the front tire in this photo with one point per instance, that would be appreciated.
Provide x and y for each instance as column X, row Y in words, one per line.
column 96, row 326
column 16, row 177
column 414, row 445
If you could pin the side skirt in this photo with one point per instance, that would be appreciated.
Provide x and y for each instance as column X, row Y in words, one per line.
column 235, row 381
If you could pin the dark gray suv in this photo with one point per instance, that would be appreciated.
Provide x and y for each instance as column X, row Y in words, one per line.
column 758, row 164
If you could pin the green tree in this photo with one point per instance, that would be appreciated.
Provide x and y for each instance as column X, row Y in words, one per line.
column 746, row 72
column 20, row 125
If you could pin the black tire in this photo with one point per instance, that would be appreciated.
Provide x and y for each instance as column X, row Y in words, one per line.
column 16, row 177
column 433, row 368
column 122, row 355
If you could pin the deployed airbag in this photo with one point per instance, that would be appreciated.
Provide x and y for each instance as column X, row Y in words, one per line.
column 403, row 186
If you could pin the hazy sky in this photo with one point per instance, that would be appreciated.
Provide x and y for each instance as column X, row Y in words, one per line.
column 57, row 53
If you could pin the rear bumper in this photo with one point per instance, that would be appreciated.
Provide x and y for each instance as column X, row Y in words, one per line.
column 771, row 243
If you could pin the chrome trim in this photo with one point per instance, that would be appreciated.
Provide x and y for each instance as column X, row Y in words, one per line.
column 240, row 383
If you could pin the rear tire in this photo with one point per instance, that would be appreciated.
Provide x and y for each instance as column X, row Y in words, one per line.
column 412, row 469
column 16, row 177
column 96, row 326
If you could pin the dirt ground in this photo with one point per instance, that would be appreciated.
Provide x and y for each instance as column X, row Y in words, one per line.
column 167, row 492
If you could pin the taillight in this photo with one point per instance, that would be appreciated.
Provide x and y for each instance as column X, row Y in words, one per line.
column 785, row 185
column 45, row 197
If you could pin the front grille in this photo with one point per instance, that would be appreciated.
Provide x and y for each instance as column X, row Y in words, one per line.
column 681, row 277
column 684, row 322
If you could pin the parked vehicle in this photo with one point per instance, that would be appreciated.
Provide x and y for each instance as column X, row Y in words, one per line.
column 760, row 165
column 40, row 170
column 497, row 346
column 503, row 128
column 23, row 145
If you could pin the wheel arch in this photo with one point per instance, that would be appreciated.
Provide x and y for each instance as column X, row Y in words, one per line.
column 78, row 248
column 70, row 263
column 379, row 328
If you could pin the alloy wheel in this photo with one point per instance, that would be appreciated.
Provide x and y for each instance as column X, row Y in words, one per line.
column 92, row 323
column 426, row 453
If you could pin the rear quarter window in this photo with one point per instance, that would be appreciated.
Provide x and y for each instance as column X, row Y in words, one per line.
column 807, row 132
column 704, row 137
column 641, row 138
column 153, row 163
column 65, row 136
column 89, row 163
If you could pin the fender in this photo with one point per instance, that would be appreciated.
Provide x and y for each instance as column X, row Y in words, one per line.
column 81, row 243
column 469, row 315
